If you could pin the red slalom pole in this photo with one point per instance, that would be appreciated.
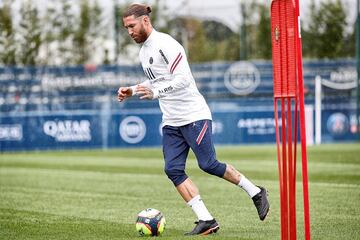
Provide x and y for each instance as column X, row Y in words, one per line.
column 289, row 89
column 302, row 125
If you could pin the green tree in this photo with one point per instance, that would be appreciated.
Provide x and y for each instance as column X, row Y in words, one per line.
column 349, row 49
column 232, row 48
column 325, row 33
column 58, row 31
column 199, row 50
column 81, row 51
column 223, row 43
column 88, row 37
column 98, row 31
column 205, row 40
column 263, row 49
column 29, row 34
column 7, row 35
column 159, row 17
column 248, row 29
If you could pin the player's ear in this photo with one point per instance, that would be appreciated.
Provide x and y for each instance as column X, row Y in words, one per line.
column 146, row 19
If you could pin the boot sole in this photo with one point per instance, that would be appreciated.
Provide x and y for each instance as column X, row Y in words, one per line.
column 211, row 230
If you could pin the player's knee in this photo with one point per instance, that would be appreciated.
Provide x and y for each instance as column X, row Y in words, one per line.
column 175, row 175
column 206, row 167
column 213, row 167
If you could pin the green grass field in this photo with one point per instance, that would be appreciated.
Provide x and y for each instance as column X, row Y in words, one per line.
column 97, row 194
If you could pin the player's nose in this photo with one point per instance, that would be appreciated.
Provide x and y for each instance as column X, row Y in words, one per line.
column 130, row 32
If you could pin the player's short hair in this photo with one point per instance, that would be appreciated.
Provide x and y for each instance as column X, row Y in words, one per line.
column 137, row 10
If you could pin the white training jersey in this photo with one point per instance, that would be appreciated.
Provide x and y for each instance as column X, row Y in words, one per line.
column 165, row 64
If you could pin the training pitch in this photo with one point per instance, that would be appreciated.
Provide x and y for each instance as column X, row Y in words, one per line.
column 97, row 194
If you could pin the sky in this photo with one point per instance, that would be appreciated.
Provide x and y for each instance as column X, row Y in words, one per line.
column 225, row 11
column 228, row 11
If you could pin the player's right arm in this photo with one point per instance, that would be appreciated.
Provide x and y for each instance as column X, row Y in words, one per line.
column 126, row 92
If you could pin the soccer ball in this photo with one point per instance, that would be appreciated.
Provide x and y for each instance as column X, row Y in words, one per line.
column 150, row 222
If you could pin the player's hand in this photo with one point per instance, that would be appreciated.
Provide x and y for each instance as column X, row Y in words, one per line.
column 144, row 92
column 124, row 92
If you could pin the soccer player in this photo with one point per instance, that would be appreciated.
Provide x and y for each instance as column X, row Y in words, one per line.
column 186, row 117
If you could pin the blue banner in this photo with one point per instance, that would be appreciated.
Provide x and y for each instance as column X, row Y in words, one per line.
column 76, row 107
column 135, row 129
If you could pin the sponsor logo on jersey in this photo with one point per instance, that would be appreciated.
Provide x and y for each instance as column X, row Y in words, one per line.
column 163, row 56
column 151, row 60
column 165, row 90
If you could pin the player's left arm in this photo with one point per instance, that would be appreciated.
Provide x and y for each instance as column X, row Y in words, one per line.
column 177, row 66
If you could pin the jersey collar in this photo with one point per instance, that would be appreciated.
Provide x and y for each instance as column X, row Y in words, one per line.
column 151, row 37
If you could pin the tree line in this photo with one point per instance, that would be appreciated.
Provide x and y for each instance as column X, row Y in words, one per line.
column 72, row 34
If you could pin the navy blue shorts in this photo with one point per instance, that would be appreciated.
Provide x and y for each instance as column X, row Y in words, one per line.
column 177, row 142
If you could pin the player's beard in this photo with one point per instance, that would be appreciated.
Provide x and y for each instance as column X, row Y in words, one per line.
column 142, row 36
